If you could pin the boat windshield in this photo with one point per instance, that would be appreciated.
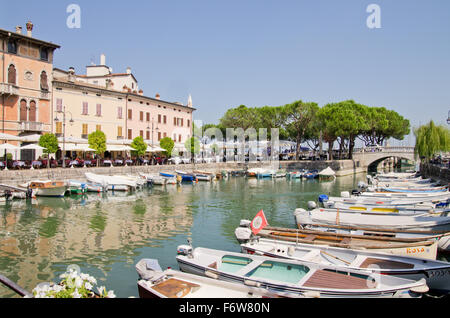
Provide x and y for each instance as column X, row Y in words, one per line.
column 288, row 273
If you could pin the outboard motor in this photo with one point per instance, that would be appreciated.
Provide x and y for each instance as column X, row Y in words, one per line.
column 356, row 192
column 148, row 268
column 345, row 194
column 362, row 185
column 312, row 205
column 185, row 250
column 243, row 234
column 329, row 204
column 302, row 217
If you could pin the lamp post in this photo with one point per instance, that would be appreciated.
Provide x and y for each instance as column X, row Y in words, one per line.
column 153, row 128
column 63, row 112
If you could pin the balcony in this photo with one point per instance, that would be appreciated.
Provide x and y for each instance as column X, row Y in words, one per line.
column 8, row 89
column 31, row 126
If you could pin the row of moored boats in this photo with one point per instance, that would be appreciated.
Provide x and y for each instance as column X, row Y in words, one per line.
column 380, row 241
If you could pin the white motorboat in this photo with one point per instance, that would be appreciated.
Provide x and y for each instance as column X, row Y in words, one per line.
column 47, row 188
column 294, row 276
column 115, row 183
column 156, row 283
column 435, row 273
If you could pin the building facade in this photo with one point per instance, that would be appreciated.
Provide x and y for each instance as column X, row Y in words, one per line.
column 26, row 82
column 114, row 104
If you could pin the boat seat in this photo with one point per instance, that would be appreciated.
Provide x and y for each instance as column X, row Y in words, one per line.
column 174, row 288
column 213, row 265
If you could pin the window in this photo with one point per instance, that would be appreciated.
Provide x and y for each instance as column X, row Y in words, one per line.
column 12, row 47
column 130, row 114
column 32, row 112
column 44, row 54
column 141, row 116
column 85, row 110
column 174, row 121
column 84, row 130
column 130, row 134
column 23, row 110
column 119, row 131
column 147, row 137
column 164, row 135
column 175, row 137
column 44, row 81
column 99, row 110
column 159, row 136
column 189, row 123
column 59, row 106
column 12, row 74
column 148, row 116
column 181, row 122
column 159, row 119
column 98, row 128
column 165, row 119
column 179, row 138
column 58, row 127
column 141, row 133
column 119, row 112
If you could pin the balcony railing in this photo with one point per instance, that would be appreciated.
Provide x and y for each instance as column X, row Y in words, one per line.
column 31, row 126
column 8, row 89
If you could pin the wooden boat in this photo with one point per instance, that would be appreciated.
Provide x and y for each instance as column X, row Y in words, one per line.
column 424, row 247
column 156, row 283
column 77, row 187
column 295, row 276
column 295, row 175
column 47, row 188
column 435, row 273
column 361, row 219
column 312, row 174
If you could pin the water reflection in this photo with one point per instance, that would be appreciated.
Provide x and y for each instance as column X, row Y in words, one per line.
column 106, row 234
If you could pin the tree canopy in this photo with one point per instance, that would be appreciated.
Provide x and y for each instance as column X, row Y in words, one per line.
column 139, row 145
column 97, row 141
column 431, row 139
column 49, row 142
column 167, row 144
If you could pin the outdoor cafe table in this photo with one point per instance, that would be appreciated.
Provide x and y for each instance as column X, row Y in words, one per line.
column 19, row 164
column 36, row 163
column 118, row 162
column 87, row 162
column 129, row 161
column 107, row 162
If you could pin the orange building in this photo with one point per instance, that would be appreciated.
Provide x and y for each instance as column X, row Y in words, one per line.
column 25, row 83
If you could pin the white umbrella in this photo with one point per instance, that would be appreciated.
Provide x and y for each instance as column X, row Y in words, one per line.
column 9, row 137
column 8, row 147
column 155, row 149
column 32, row 147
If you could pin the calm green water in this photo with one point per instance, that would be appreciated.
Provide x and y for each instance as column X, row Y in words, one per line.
column 106, row 235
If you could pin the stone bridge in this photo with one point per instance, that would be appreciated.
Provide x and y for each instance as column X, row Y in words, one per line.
column 366, row 158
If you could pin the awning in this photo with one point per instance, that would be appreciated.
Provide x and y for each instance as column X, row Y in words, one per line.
column 8, row 147
column 9, row 137
column 155, row 149
column 75, row 147
column 118, row 148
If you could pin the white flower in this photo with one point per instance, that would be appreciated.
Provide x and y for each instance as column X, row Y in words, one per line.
column 78, row 282
column 111, row 294
column 75, row 294
column 88, row 286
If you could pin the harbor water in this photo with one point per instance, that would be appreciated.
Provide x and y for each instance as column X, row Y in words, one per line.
column 107, row 234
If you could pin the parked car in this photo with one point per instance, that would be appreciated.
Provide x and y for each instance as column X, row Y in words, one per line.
column 373, row 148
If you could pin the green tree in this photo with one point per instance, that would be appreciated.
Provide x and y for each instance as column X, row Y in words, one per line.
column 167, row 144
column 431, row 139
column 139, row 145
column 298, row 119
column 97, row 141
column 50, row 143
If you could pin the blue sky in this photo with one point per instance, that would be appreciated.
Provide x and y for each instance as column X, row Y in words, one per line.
column 257, row 52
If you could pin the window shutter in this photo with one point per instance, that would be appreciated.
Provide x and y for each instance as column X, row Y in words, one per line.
column 59, row 106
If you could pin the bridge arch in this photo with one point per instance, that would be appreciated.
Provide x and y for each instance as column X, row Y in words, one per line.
column 370, row 159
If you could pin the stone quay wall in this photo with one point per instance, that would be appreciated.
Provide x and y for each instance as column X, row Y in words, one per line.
column 14, row 177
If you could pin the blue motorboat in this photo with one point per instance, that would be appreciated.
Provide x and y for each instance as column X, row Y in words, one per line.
column 167, row 175
column 186, row 177
column 312, row 174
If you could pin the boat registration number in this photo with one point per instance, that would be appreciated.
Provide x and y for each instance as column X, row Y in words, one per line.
column 415, row 250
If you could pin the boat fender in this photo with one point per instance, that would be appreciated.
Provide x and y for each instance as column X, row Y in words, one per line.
column 291, row 250
column 185, row 250
column 252, row 283
column 345, row 194
column 243, row 234
column 211, row 275
column 422, row 289
column 302, row 216
column 329, row 204
column 311, row 294
column 312, row 205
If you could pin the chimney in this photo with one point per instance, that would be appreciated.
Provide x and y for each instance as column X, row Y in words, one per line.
column 128, row 70
column 71, row 75
column 29, row 28
column 18, row 29
column 141, row 92
column 103, row 59
column 157, row 96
